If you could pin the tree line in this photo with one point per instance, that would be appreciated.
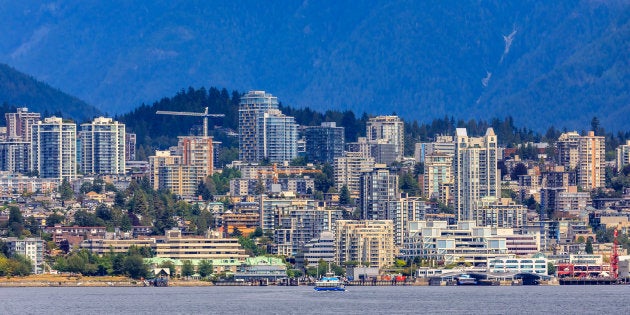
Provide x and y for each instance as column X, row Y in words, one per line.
column 161, row 131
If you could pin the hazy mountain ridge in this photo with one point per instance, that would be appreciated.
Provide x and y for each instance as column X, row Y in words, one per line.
column 566, row 62
column 20, row 90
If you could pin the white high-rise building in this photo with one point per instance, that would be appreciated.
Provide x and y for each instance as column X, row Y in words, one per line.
column 391, row 129
column 54, row 149
column 252, row 107
column 475, row 173
column 103, row 147
column 277, row 136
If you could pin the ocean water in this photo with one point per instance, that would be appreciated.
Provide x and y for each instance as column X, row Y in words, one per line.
column 304, row 300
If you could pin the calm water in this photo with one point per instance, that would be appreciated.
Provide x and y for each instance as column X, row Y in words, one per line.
column 304, row 300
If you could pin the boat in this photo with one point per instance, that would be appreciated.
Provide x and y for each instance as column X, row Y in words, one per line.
column 329, row 283
column 466, row 279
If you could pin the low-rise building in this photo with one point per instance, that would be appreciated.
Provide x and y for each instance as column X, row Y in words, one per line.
column 75, row 234
column 537, row 265
column 213, row 246
column 464, row 243
column 322, row 248
column 261, row 268
column 105, row 246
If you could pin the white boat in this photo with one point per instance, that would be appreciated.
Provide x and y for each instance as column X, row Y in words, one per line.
column 329, row 283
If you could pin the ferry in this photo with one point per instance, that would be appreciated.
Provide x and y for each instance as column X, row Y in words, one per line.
column 329, row 283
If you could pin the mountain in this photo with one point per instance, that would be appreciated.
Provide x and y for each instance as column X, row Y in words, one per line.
column 542, row 62
column 20, row 90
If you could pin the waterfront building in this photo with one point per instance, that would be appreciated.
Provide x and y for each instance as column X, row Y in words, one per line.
column 537, row 265
column 348, row 170
column 475, row 173
column 31, row 248
column 218, row 265
column 391, row 129
column 367, row 242
column 54, row 149
column 15, row 156
column 464, row 242
column 321, row 248
column 591, row 169
column 103, row 147
column 324, row 143
column 623, row 156
column 212, row 246
column 19, row 124
column 270, row 269
column 252, row 107
column 567, row 150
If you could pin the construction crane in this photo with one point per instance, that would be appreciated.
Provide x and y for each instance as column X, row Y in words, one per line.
column 275, row 172
column 205, row 116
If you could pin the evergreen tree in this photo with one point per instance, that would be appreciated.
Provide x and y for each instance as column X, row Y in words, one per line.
column 187, row 268
column 205, row 268
column 589, row 246
column 344, row 196
column 65, row 190
column 16, row 222
column 203, row 191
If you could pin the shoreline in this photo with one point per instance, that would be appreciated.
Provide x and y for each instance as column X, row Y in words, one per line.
column 85, row 281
